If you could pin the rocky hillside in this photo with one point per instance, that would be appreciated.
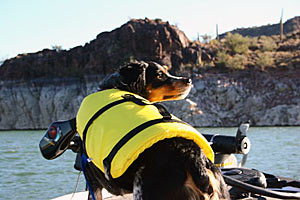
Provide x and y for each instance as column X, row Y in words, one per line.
column 38, row 88
column 138, row 39
column 289, row 26
column 144, row 39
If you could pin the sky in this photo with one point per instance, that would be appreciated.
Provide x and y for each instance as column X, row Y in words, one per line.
column 28, row 26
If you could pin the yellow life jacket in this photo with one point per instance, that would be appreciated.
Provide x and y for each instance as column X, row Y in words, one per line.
column 117, row 126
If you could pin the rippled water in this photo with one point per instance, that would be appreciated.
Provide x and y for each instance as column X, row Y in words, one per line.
column 25, row 174
column 274, row 150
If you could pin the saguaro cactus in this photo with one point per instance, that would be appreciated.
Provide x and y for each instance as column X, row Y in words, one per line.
column 217, row 32
column 281, row 26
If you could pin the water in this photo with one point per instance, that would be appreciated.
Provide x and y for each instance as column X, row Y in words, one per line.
column 25, row 174
column 274, row 150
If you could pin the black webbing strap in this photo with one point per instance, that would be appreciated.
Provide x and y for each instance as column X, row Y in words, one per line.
column 107, row 161
column 161, row 109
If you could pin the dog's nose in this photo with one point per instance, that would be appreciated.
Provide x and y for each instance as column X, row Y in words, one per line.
column 188, row 81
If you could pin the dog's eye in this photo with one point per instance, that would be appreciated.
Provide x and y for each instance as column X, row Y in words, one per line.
column 160, row 75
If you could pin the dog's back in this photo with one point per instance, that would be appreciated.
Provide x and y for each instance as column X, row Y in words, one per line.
column 177, row 169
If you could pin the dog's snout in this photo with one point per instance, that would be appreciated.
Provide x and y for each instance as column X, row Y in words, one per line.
column 188, row 81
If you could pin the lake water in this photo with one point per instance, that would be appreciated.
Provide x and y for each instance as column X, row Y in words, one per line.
column 25, row 174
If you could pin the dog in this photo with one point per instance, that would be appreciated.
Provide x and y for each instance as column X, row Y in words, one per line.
column 172, row 168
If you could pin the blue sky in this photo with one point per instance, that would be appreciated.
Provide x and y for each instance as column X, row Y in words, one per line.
column 31, row 25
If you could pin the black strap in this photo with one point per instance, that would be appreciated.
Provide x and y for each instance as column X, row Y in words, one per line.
column 161, row 109
column 107, row 161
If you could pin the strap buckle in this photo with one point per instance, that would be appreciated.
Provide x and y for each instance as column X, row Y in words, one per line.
column 161, row 109
column 134, row 99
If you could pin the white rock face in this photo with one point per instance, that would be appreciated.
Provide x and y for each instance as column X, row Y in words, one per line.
column 219, row 101
column 34, row 105
column 213, row 101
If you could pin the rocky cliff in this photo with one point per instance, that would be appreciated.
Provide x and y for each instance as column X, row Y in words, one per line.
column 229, row 99
column 35, row 104
column 215, row 100
column 38, row 88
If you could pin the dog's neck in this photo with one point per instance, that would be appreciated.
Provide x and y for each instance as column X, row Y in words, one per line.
column 116, row 81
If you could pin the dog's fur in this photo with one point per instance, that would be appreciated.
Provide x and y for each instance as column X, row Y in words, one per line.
column 173, row 168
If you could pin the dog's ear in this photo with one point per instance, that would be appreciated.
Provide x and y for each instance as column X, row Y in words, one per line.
column 133, row 72
column 110, row 81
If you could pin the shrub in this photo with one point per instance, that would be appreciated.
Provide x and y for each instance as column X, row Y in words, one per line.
column 206, row 38
column 214, row 42
column 222, row 58
column 267, row 43
column 253, row 43
column 233, row 62
column 264, row 60
column 57, row 47
column 237, row 62
column 236, row 43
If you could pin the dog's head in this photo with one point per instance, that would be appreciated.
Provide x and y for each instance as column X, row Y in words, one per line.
column 161, row 86
column 149, row 80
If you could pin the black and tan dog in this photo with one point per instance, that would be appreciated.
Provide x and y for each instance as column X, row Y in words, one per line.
column 173, row 167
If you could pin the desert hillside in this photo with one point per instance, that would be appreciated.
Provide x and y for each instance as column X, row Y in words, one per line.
column 145, row 39
column 235, row 79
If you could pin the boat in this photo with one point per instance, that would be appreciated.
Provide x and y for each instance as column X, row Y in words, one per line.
column 84, row 195
column 243, row 183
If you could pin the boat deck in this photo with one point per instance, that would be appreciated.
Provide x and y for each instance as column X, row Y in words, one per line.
column 107, row 196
